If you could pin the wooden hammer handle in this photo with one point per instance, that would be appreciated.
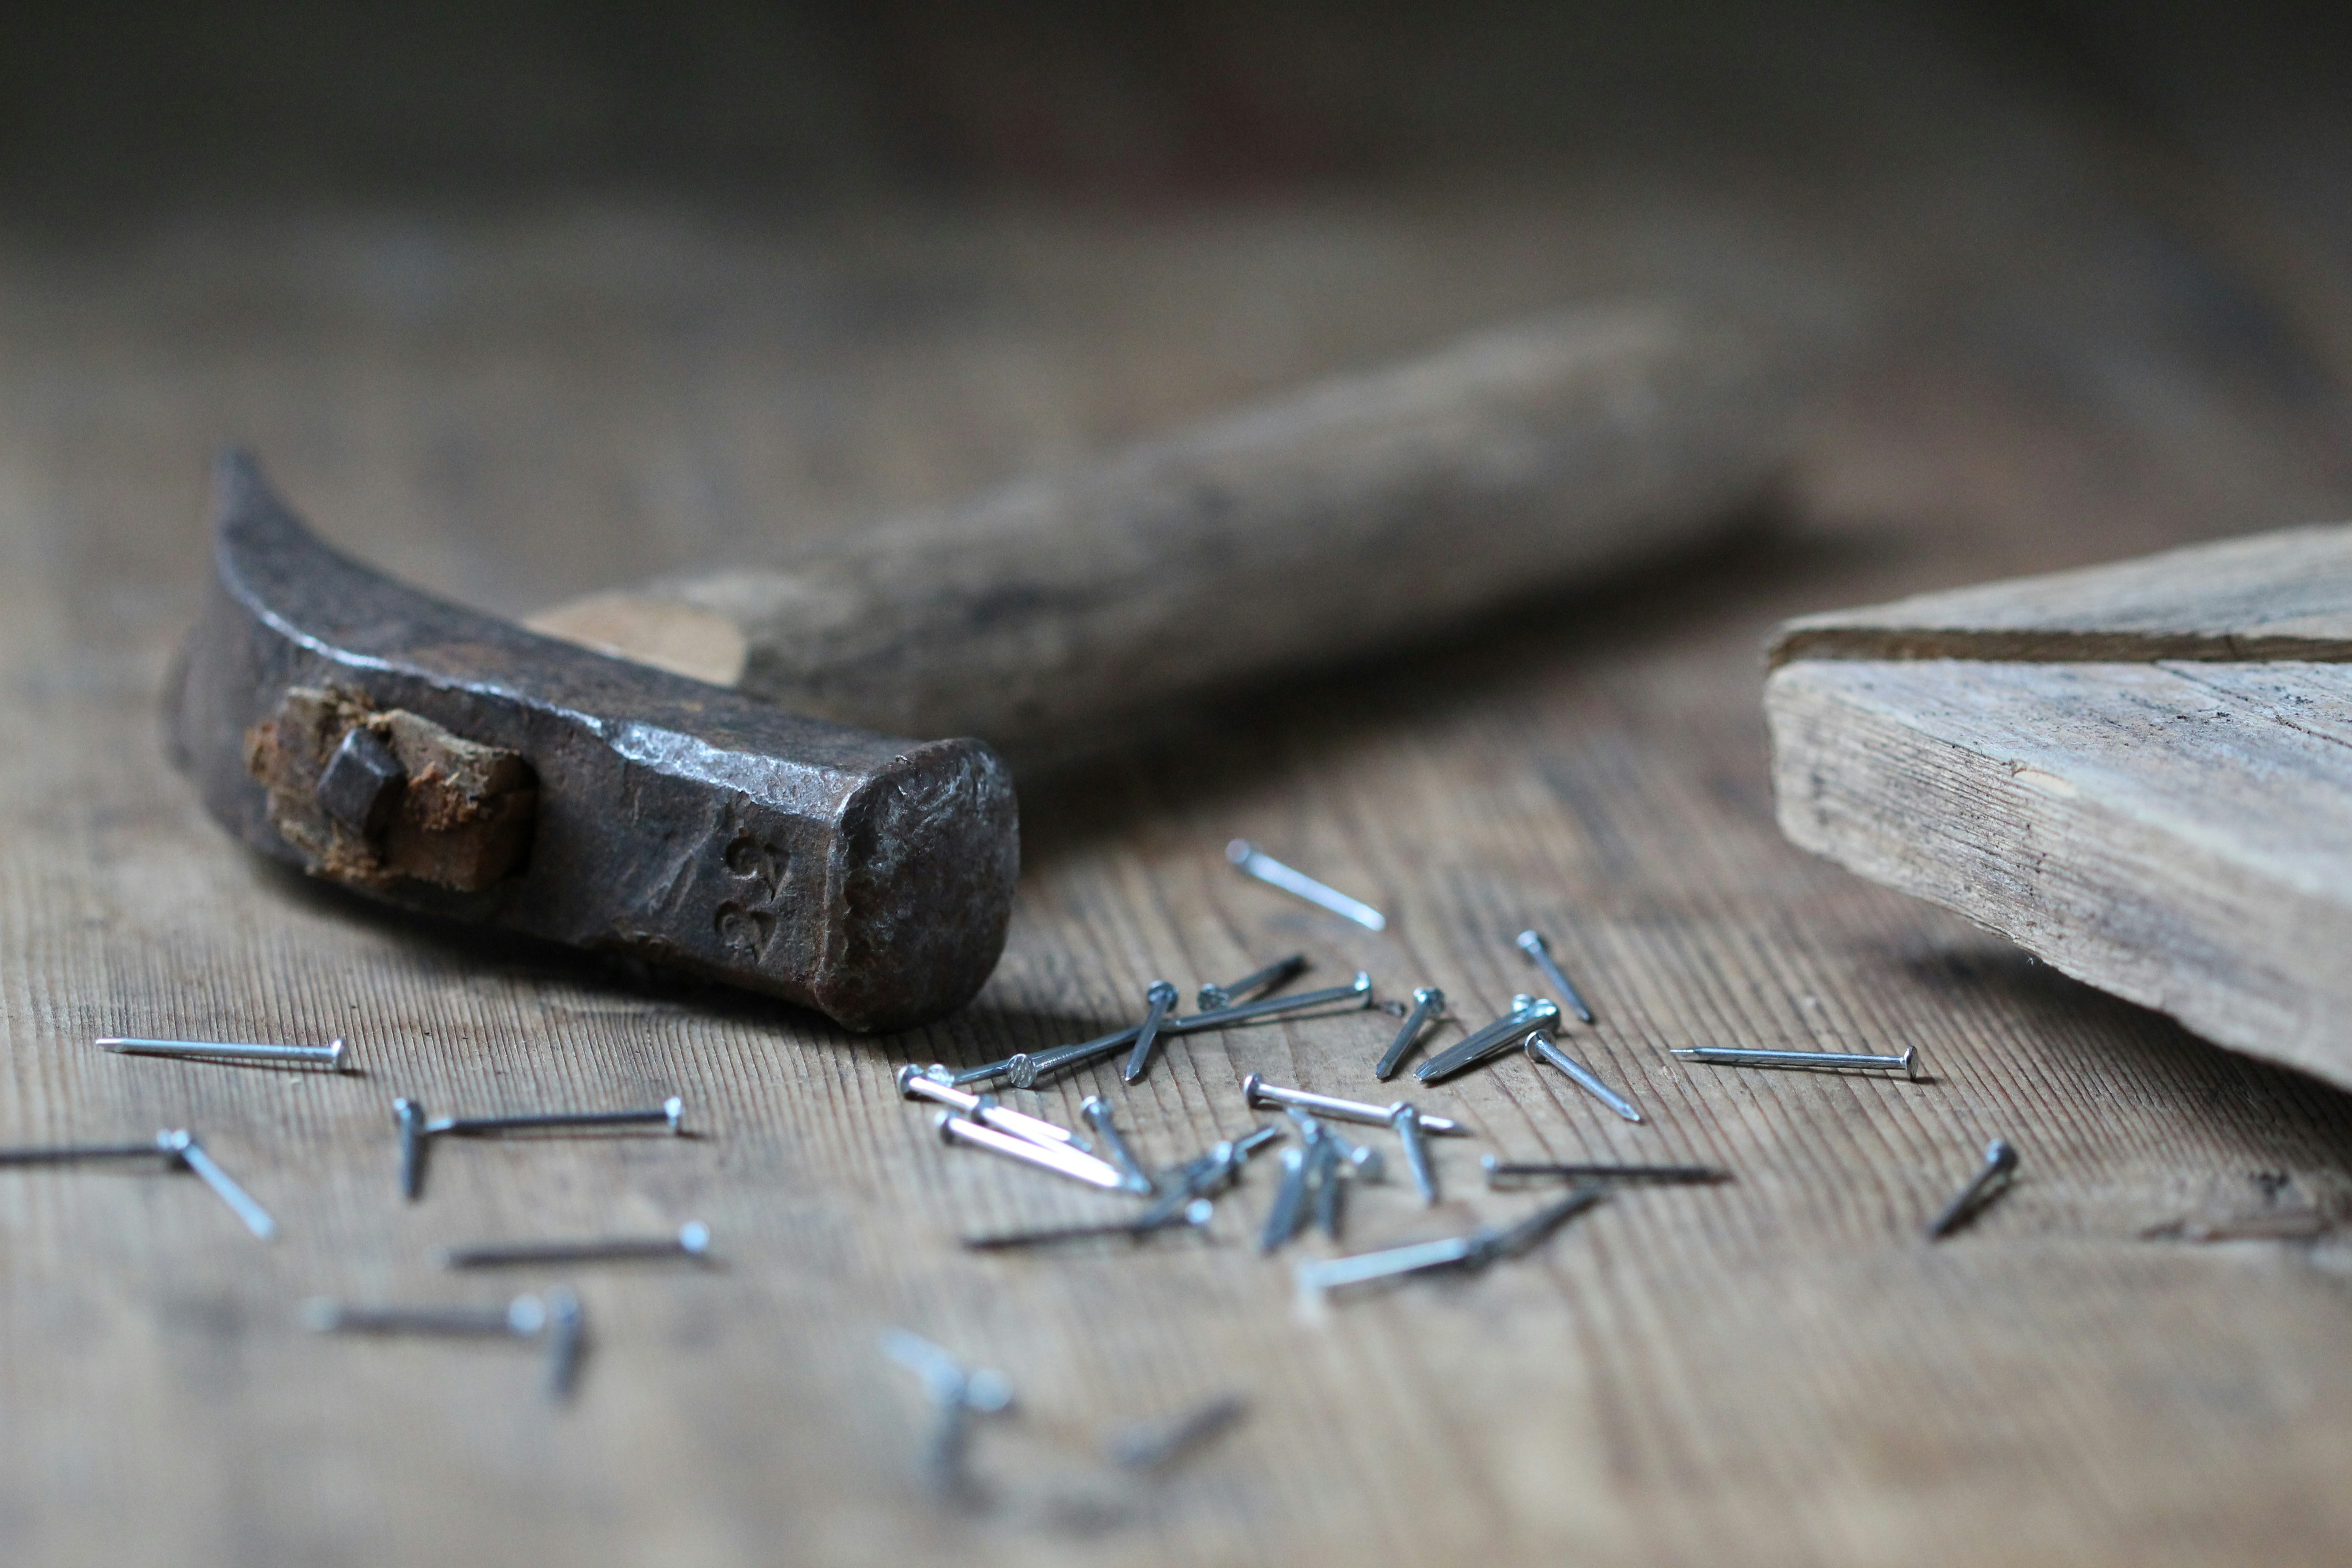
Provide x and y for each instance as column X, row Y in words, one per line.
column 1301, row 531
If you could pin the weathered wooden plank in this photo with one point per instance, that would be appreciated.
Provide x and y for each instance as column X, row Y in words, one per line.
column 2178, row 834
column 2285, row 594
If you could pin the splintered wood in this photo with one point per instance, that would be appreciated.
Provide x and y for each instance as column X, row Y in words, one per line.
column 2159, row 803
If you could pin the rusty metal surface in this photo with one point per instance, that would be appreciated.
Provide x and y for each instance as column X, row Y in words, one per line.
column 641, row 812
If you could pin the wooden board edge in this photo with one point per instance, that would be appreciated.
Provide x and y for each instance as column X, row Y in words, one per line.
column 2101, row 896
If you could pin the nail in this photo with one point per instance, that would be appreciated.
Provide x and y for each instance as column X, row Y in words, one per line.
column 73, row 1153
column 1407, row 1121
column 1097, row 1110
column 330, row 1055
column 1493, row 1040
column 1203, row 1173
column 1289, row 1209
column 1316, row 1277
column 1428, row 1002
column 1258, row 1091
column 1155, row 1445
column 2000, row 1163
column 1256, row 984
column 1498, row 1171
column 692, row 1240
column 1210, row 1172
column 917, row 1085
column 1027, row 1071
column 1357, row 992
column 567, row 1342
column 1541, row 1046
column 956, row 1395
column 177, row 1148
column 1251, row 861
column 1833, row 1061
column 1057, row 1158
column 411, row 1117
column 1157, row 1000
column 1533, row 944
column 1329, row 1193
column 521, row 1319
column 1513, row 1239
column 1195, row 1213
column 1475, row 1250
column 182, row 1145
column 672, row 1112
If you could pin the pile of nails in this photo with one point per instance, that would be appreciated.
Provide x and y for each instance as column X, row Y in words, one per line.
column 1318, row 1171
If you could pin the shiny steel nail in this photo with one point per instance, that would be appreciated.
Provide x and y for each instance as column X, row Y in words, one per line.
column 1510, row 1240
column 1155, row 1445
column 1428, row 1002
column 1533, row 944
column 1251, row 861
column 1827, row 1061
column 411, row 1117
column 1999, row 1165
column 567, row 1342
column 74, row 1153
column 1282, row 1222
column 182, row 1145
column 1097, row 1110
column 329, row 1055
column 1500, row 1171
column 1357, row 992
column 1025, row 1070
column 917, row 1085
column 177, row 1150
column 1318, row 1276
column 1257, row 983
column 1543, row 1047
column 1330, row 1192
column 1258, row 1091
column 521, row 1319
column 1493, row 1040
column 1157, row 1000
column 1210, row 1172
column 692, row 1240
column 1060, row 1159
column 672, row 1113
column 1407, row 1123
column 956, row 1395
column 1195, row 1213
column 1475, row 1250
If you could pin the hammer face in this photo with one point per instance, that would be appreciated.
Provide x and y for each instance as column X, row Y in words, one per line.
column 451, row 763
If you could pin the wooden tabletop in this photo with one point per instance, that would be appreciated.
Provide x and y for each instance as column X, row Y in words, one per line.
column 514, row 407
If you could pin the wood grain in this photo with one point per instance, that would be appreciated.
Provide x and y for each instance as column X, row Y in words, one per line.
column 1533, row 458
column 2285, row 595
column 2178, row 834
column 515, row 408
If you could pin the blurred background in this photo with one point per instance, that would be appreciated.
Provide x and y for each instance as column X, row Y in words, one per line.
column 703, row 276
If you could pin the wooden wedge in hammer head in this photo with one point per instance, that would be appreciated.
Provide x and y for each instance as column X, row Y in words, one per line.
column 452, row 762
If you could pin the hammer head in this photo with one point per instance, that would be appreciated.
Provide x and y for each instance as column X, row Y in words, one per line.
column 451, row 763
